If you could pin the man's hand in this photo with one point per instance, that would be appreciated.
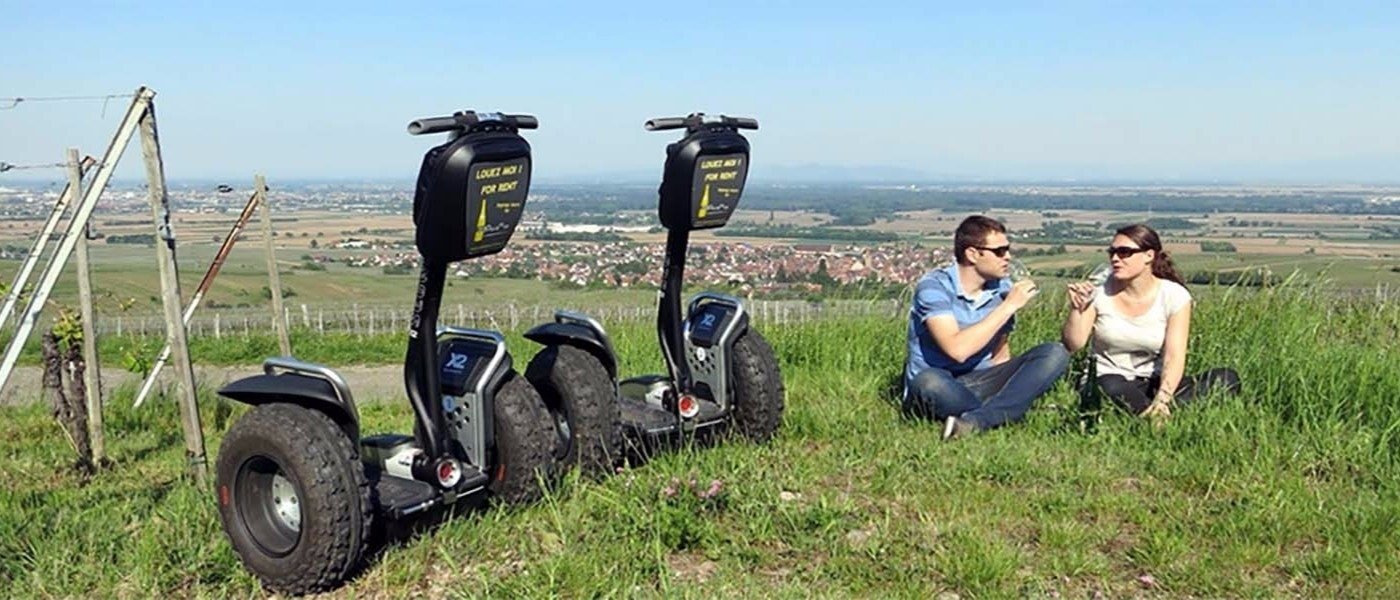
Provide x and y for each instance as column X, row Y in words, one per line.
column 1081, row 295
column 1021, row 294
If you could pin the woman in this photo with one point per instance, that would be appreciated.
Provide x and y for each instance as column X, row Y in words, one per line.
column 1140, row 318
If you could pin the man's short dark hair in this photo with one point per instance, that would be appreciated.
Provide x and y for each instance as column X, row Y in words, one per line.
column 973, row 231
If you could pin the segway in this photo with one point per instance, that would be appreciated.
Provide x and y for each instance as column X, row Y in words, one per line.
column 299, row 492
column 722, row 375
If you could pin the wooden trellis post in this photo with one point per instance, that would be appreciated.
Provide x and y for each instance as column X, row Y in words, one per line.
column 92, row 371
column 170, row 290
column 274, row 282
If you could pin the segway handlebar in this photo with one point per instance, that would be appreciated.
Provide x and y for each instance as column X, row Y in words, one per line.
column 696, row 120
column 467, row 119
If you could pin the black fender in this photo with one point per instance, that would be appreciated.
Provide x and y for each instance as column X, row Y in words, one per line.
column 558, row 334
column 312, row 393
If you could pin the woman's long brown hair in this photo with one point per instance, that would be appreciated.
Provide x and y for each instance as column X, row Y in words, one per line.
column 1146, row 237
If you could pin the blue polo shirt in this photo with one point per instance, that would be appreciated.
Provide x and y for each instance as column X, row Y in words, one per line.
column 939, row 293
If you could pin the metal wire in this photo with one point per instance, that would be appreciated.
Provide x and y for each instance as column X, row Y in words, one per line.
column 4, row 166
column 17, row 100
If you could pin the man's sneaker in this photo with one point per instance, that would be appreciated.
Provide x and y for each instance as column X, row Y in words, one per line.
column 954, row 427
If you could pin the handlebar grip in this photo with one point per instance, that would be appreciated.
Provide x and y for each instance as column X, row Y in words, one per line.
column 662, row 123
column 525, row 121
column 429, row 125
column 744, row 122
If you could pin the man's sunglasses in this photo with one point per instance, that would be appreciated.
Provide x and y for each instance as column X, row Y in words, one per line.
column 1000, row 251
column 1124, row 251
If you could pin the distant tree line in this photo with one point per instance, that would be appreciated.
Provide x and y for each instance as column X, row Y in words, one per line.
column 576, row 236
column 1159, row 223
column 1055, row 250
column 853, row 204
column 133, row 238
column 1209, row 246
column 808, row 233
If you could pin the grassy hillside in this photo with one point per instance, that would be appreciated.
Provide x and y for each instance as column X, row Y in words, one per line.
column 1291, row 489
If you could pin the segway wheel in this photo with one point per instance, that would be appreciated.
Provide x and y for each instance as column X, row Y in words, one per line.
column 758, row 388
column 293, row 498
column 524, row 443
column 579, row 394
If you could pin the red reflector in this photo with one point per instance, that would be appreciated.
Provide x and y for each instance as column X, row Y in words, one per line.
column 223, row 495
column 687, row 406
column 448, row 473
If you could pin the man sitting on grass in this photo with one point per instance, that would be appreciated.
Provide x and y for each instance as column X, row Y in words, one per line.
column 959, row 368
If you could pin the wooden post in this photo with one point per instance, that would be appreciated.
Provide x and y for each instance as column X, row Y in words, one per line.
column 170, row 293
column 92, row 372
column 274, row 282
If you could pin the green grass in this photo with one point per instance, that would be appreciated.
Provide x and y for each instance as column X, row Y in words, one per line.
column 1290, row 489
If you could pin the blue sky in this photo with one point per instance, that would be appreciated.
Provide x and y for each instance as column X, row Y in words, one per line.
column 1180, row 91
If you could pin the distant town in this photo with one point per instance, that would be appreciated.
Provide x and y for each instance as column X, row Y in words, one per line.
column 769, row 270
column 796, row 240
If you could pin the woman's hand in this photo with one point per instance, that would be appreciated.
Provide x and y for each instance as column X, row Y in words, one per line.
column 1159, row 411
column 1081, row 295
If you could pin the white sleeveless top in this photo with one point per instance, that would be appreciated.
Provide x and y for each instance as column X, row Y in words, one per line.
column 1132, row 346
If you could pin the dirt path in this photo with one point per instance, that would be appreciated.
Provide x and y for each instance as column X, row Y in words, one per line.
column 369, row 383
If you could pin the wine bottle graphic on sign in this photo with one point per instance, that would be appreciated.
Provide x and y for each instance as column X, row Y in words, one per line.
column 704, row 203
column 480, row 223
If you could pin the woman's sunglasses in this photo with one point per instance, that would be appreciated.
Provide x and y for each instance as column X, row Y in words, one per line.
column 1124, row 251
column 1000, row 251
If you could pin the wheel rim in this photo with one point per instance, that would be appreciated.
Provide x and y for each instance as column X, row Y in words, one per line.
column 286, row 503
column 269, row 505
column 563, row 431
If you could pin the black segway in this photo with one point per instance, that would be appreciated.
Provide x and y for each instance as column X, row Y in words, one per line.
column 722, row 374
column 299, row 491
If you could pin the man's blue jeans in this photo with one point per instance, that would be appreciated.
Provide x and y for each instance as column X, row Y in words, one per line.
column 988, row 397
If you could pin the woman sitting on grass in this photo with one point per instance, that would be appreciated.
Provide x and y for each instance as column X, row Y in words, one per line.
column 1139, row 319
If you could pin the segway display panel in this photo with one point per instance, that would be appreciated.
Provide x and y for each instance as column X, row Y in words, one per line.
column 706, row 325
column 463, row 362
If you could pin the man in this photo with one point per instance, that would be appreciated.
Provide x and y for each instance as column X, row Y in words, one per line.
column 959, row 368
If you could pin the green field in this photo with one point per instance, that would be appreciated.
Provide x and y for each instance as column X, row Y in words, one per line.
column 1292, row 489
column 124, row 272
